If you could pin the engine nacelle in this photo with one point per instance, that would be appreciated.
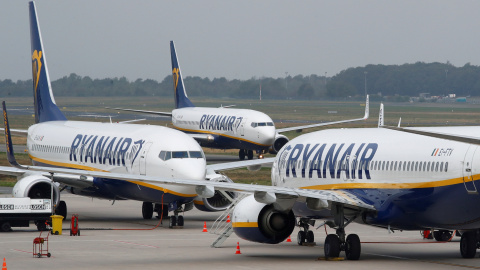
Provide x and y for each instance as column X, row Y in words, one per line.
column 280, row 141
column 36, row 187
column 258, row 222
column 218, row 202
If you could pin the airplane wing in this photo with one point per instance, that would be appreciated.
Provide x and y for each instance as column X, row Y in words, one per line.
column 142, row 111
column 17, row 132
column 365, row 117
column 440, row 135
column 238, row 164
column 202, row 137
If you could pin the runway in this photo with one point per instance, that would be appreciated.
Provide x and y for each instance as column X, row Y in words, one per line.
column 101, row 247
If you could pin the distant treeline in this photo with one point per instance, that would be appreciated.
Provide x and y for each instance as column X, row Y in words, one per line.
column 391, row 80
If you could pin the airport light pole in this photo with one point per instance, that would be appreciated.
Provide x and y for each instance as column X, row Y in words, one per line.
column 325, row 79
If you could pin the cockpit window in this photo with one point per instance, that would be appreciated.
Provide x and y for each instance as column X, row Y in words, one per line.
column 262, row 124
column 166, row 155
column 195, row 154
column 180, row 154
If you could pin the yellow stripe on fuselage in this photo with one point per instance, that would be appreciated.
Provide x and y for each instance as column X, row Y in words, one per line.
column 219, row 134
column 87, row 168
column 245, row 224
column 65, row 165
column 441, row 183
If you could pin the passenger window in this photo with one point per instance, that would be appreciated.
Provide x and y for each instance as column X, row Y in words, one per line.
column 446, row 166
column 386, row 167
column 408, row 166
column 436, row 167
column 441, row 166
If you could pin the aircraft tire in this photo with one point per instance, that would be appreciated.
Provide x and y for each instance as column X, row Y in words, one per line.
column 442, row 235
column 180, row 221
column 300, row 238
column 353, row 247
column 332, row 246
column 172, row 222
column 147, row 210
column 310, row 237
column 468, row 245
column 250, row 154
column 241, row 154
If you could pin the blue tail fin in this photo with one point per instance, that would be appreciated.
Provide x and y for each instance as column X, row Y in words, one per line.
column 181, row 98
column 45, row 107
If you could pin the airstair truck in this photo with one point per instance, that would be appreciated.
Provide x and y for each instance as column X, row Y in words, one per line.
column 18, row 212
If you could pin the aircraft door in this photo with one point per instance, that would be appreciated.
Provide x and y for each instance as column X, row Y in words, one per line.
column 143, row 158
column 242, row 127
column 467, row 170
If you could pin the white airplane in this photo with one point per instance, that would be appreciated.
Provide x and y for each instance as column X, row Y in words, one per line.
column 227, row 128
column 53, row 141
column 400, row 179
column 396, row 178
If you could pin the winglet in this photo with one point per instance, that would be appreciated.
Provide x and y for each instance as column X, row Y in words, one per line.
column 399, row 122
column 181, row 98
column 8, row 140
column 367, row 109
column 381, row 116
column 45, row 107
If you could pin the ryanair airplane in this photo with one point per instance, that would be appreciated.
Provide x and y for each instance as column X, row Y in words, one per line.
column 227, row 128
column 390, row 177
column 54, row 141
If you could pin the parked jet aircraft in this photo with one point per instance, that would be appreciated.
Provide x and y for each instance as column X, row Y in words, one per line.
column 396, row 178
column 400, row 179
column 227, row 128
column 53, row 141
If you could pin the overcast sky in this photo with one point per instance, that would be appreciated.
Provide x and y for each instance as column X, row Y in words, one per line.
column 236, row 39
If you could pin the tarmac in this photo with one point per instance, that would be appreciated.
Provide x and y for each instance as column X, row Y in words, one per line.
column 116, row 237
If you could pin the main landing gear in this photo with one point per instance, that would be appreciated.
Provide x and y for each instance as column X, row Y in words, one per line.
column 469, row 243
column 305, row 237
column 334, row 243
column 242, row 153
column 148, row 208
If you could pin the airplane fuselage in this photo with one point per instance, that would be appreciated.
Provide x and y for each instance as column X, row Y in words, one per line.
column 413, row 181
column 121, row 148
column 230, row 128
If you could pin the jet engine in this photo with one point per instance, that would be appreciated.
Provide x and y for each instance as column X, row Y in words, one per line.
column 280, row 141
column 259, row 222
column 36, row 187
column 218, row 202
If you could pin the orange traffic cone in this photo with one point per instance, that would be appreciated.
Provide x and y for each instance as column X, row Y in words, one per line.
column 205, row 227
column 4, row 266
column 238, row 249
column 289, row 239
column 228, row 219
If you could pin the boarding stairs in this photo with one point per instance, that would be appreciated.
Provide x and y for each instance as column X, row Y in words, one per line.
column 221, row 227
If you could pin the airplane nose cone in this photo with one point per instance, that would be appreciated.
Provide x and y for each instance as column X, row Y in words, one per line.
column 192, row 169
column 267, row 135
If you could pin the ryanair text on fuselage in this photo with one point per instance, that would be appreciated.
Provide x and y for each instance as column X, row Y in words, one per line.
column 102, row 149
column 219, row 122
column 319, row 158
